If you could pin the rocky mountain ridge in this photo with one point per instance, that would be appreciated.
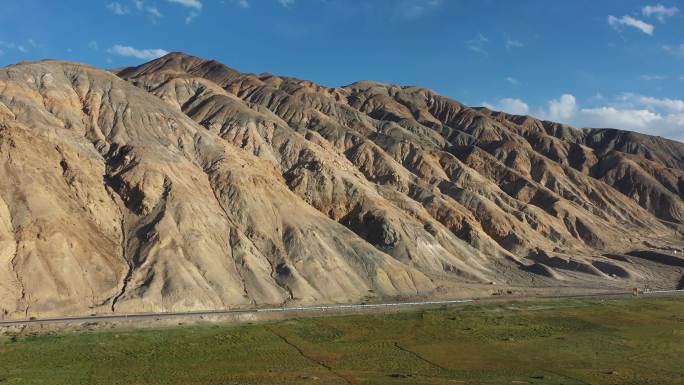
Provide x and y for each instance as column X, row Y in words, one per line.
column 183, row 184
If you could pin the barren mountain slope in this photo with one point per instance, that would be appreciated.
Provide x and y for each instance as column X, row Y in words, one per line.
column 194, row 186
column 112, row 198
column 417, row 128
column 646, row 168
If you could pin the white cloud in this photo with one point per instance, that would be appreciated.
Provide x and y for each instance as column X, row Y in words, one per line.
column 478, row 44
column 513, row 44
column 196, row 4
column 139, row 5
column 286, row 3
column 659, row 11
column 618, row 23
column 413, row 9
column 22, row 49
column 153, row 11
column 652, row 77
column 642, row 120
column 661, row 104
column 563, row 108
column 509, row 105
column 118, row 9
column 93, row 45
column 513, row 81
column 146, row 54
column 628, row 111
column 611, row 117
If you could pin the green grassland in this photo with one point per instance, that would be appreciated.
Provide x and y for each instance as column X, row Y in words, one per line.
column 632, row 341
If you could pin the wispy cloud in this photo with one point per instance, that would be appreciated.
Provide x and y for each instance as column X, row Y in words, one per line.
column 195, row 8
column 138, row 5
column 195, row 4
column 240, row 3
column 619, row 22
column 510, row 44
column 633, row 100
column 93, row 45
column 146, row 54
column 513, row 81
column 478, row 44
column 413, row 9
column 677, row 50
column 652, row 77
column 509, row 105
column 659, row 11
column 286, row 3
column 153, row 11
column 191, row 17
column 11, row 45
column 118, row 9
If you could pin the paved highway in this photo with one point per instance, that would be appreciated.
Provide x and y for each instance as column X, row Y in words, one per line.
column 313, row 308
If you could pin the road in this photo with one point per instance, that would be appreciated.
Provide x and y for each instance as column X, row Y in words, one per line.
column 295, row 309
column 156, row 316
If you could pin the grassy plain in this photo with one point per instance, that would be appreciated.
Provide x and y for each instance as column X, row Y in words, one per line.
column 633, row 341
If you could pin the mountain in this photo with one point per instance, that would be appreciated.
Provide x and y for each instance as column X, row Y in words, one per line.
column 183, row 184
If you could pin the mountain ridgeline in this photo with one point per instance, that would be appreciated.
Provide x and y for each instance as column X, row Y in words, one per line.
column 183, row 184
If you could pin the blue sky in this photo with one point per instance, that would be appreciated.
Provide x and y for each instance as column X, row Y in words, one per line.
column 585, row 62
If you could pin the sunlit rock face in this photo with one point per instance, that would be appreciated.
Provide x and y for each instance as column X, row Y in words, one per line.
column 183, row 184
